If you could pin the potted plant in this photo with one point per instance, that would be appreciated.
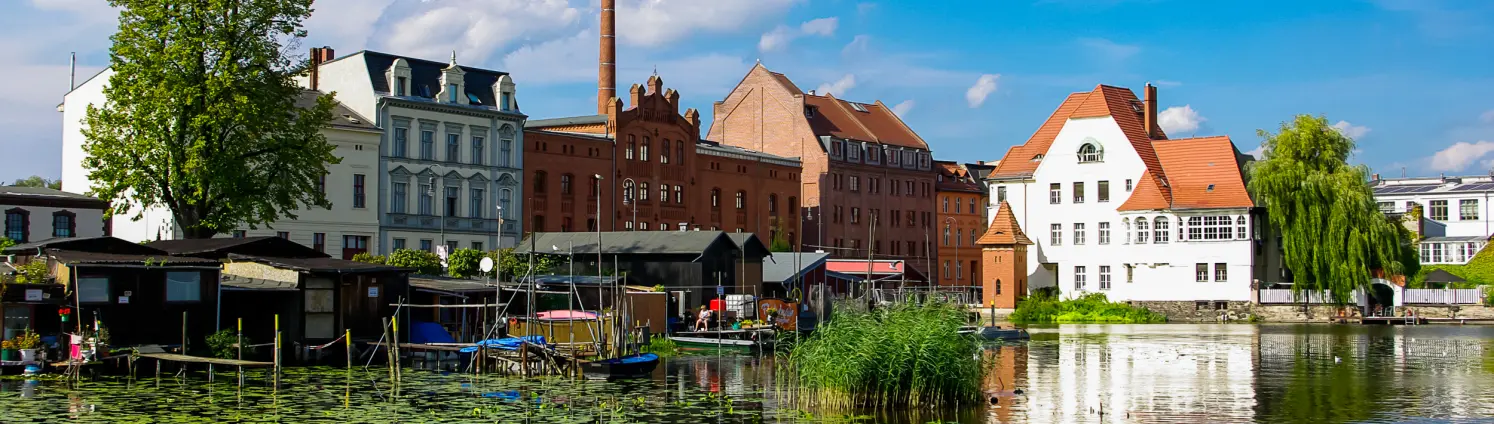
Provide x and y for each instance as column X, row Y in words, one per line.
column 7, row 350
column 27, row 343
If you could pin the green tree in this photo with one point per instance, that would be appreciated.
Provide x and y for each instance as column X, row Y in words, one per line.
column 423, row 262
column 464, row 263
column 6, row 243
column 368, row 258
column 201, row 115
column 780, row 243
column 1333, row 234
column 38, row 181
column 512, row 264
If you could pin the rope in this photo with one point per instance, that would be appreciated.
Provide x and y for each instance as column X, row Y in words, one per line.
column 328, row 343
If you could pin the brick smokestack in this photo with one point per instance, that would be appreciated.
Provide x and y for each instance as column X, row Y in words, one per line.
column 1149, row 109
column 607, row 60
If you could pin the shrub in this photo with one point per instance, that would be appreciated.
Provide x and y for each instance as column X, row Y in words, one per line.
column 368, row 258
column 222, row 344
column 27, row 340
column 464, row 263
column 1093, row 307
column 423, row 262
column 662, row 346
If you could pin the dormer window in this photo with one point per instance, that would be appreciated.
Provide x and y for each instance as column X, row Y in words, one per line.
column 1090, row 153
column 1037, row 158
column 398, row 78
column 504, row 88
column 809, row 111
column 473, row 99
column 451, row 89
column 399, row 85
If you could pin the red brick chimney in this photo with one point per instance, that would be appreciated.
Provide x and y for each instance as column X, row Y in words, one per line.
column 607, row 60
column 1149, row 112
column 319, row 55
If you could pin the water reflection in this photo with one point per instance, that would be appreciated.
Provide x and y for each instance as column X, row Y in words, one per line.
column 1067, row 374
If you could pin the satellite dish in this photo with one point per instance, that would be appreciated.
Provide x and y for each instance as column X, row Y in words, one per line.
column 486, row 265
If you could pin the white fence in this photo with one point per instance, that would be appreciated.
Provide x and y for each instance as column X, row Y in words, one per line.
column 1286, row 296
column 1443, row 297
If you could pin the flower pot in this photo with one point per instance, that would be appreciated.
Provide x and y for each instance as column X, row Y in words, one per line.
column 7, row 355
column 28, row 355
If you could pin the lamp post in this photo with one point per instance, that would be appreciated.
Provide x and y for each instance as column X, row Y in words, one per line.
column 947, row 221
column 628, row 187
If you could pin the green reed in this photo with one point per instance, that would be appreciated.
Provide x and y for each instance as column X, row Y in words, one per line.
column 899, row 356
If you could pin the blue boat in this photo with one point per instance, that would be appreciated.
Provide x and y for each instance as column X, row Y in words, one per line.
column 631, row 366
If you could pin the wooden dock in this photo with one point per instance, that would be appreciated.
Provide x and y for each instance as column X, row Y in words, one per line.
column 1392, row 320
column 176, row 357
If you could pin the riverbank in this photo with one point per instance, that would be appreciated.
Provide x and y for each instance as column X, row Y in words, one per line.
column 1189, row 311
column 1090, row 308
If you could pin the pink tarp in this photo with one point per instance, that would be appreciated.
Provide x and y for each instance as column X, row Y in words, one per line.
column 560, row 315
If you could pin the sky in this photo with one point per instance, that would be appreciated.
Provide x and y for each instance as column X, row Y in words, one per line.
column 1411, row 80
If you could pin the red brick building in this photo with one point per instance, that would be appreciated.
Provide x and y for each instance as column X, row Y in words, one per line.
column 657, row 174
column 1003, row 260
column 961, row 218
column 869, row 180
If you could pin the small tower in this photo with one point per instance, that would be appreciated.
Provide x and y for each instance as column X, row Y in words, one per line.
column 1003, row 276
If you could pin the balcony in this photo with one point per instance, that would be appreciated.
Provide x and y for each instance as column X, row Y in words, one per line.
column 452, row 223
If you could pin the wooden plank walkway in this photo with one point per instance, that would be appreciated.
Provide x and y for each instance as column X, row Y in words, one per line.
column 204, row 360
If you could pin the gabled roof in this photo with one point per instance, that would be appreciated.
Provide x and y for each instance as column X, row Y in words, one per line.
column 1203, row 173
column 1118, row 103
column 787, row 265
column 873, row 122
column 749, row 243
column 955, row 177
column 102, row 244
column 341, row 115
column 221, row 248
column 1147, row 195
column 1004, row 229
column 629, row 243
column 319, row 265
column 783, row 79
column 1019, row 159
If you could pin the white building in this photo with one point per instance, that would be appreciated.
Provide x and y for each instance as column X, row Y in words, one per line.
column 1455, row 221
column 452, row 151
column 350, row 226
column 34, row 214
column 1115, row 207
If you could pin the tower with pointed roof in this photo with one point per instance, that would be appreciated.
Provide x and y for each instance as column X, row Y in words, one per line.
column 1003, row 276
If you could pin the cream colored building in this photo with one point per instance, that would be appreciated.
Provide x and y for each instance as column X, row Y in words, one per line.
column 351, row 225
column 451, row 156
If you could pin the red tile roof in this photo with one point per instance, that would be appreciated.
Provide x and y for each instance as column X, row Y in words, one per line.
column 1004, row 229
column 955, row 177
column 840, row 119
column 1022, row 163
column 1147, row 195
column 1203, row 173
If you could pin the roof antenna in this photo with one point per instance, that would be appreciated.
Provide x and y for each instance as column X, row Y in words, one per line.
column 656, row 70
column 72, row 77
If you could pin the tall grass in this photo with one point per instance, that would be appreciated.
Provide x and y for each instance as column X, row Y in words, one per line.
column 906, row 355
column 1088, row 308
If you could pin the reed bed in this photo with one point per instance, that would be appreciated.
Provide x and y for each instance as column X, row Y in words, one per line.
column 1091, row 308
column 901, row 356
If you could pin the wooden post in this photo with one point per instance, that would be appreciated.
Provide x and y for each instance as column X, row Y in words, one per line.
column 184, row 332
column 394, row 329
column 347, row 338
column 240, row 346
column 277, row 350
column 388, row 352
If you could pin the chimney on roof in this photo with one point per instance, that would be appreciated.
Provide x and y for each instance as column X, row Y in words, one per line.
column 319, row 55
column 1375, row 177
column 1149, row 110
column 607, row 60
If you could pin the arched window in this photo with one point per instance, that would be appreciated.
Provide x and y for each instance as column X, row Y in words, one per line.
column 1089, row 152
column 793, row 206
column 663, row 193
column 664, row 153
column 1241, row 229
column 1126, row 222
column 565, row 184
column 1159, row 226
column 1141, row 231
column 772, row 204
column 715, row 198
column 679, row 152
column 539, row 181
column 628, row 193
column 741, row 199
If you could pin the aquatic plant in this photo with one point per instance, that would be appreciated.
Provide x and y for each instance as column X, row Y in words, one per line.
column 904, row 355
column 1093, row 307
column 662, row 346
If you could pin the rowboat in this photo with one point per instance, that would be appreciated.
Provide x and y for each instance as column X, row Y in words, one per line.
column 993, row 333
column 630, row 366
column 732, row 340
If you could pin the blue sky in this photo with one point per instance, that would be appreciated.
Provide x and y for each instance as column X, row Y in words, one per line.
column 1410, row 79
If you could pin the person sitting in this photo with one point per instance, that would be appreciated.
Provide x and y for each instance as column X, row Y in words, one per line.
column 703, row 319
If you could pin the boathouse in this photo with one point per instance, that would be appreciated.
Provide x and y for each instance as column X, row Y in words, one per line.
column 140, row 294
column 317, row 297
column 693, row 262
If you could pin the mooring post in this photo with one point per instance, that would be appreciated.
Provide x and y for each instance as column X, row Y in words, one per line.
column 240, row 347
column 347, row 338
column 394, row 329
column 277, row 350
column 388, row 352
column 184, row 333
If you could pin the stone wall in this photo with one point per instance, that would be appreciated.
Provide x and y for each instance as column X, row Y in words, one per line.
column 1188, row 311
column 1464, row 311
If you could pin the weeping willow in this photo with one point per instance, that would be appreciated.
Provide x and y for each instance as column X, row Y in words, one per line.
column 1333, row 234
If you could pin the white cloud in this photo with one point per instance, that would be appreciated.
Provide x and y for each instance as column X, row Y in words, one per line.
column 858, row 45
column 901, row 109
column 1109, row 49
column 984, row 86
column 1259, row 152
column 660, row 22
column 1487, row 117
column 697, row 78
column 1460, row 155
column 839, row 87
column 1351, row 130
column 780, row 37
column 865, row 8
column 569, row 59
column 1167, row 83
column 344, row 25
column 475, row 29
column 1178, row 120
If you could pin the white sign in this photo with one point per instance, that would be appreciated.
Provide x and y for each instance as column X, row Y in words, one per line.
column 486, row 265
column 124, row 300
column 33, row 295
column 373, row 292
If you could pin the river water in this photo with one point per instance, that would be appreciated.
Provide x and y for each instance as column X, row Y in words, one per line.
column 1160, row 373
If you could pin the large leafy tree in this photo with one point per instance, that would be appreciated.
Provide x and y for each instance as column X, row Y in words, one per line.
column 38, row 181
column 1333, row 234
column 201, row 116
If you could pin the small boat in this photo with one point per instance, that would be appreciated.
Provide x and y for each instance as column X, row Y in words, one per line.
column 993, row 333
column 733, row 340
column 630, row 366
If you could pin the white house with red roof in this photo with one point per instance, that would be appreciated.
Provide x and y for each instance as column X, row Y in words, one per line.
column 1115, row 207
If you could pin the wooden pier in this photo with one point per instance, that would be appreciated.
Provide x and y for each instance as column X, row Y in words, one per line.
column 188, row 359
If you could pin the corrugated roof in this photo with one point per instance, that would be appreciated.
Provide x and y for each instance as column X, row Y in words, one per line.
column 787, row 265
column 1004, row 229
column 627, row 242
column 219, row 248
column 73, row 257
column 43, row 193
column 1203, row 173
column 566, row 121
column 101, row 244
column 320, row 265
